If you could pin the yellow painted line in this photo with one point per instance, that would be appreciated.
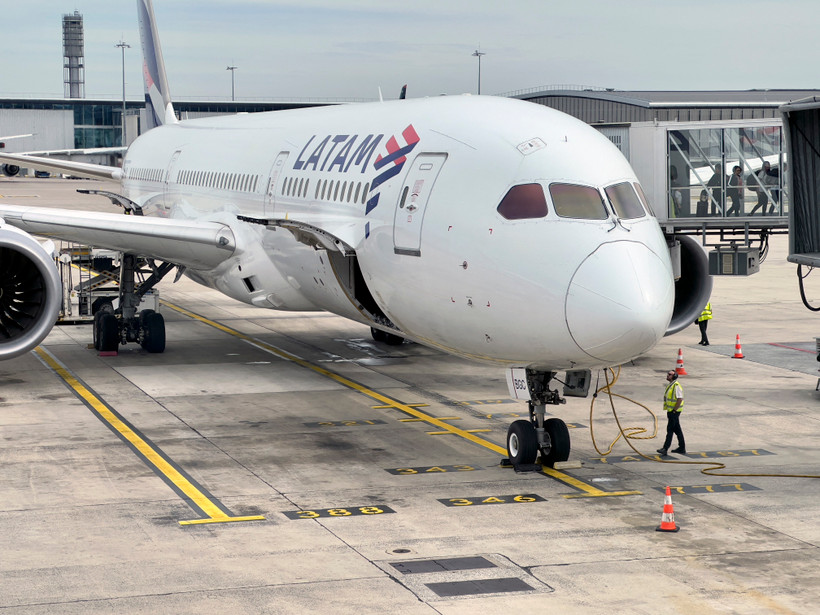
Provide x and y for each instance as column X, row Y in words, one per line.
column 411, row 405
column 152, row 456
column 588, row 490
column 441, row 418
column 447, row 433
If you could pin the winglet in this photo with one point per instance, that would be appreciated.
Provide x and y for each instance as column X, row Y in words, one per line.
column 157, row 95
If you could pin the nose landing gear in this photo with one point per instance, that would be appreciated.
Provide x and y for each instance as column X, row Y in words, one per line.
column 525, row 438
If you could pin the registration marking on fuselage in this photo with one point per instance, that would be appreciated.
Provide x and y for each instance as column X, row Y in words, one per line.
column 175, row 477
column 585, row 489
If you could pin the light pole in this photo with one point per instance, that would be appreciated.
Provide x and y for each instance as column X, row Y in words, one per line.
column 233, row 91
column 122, row 45
column 478, row 55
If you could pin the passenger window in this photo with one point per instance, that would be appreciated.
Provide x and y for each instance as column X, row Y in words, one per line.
column 524, row 202
column 624, row 201
column 582, row 202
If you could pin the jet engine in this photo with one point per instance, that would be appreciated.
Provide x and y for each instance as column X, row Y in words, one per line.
column 11, row 169
column 30, row 292
column 693, row 284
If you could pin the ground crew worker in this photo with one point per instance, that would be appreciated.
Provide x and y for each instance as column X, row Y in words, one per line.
column 703, row 320
column 673, row 405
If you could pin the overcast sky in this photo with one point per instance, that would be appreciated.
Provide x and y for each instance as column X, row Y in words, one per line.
column 347, row 49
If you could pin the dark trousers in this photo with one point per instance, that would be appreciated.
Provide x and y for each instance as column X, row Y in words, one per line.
column 702, row 325
column 762, row 201
column 673, row 427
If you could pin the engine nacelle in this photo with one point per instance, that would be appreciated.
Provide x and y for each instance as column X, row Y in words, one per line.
column 694, row 286
column 11, row 169
column 30, row 292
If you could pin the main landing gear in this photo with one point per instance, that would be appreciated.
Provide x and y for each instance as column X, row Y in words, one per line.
column 113, row 327
column 390, row 339
column 526, row 437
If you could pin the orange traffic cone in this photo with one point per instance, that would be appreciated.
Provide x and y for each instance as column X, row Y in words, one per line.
column 680, row 370
column 738, row 350
column 668, row 517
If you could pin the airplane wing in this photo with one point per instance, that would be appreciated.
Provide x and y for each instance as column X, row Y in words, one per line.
column 9, row 138
column 190, row 243
column 75, row 152
column 80, row 169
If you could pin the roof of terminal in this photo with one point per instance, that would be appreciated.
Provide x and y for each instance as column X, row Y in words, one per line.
column 656, row 98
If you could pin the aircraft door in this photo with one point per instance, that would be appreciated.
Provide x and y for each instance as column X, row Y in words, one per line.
column 412, row 204
column 273, row 180
column 168, row 172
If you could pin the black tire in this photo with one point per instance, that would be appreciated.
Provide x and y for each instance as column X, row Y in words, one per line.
column 153, row 327
column 108, row 334
column 393, row 340
column 522, row 443
column 559, row 442
column 378, row 335
column 143, row 314
column 96, row 330
column 102, row 304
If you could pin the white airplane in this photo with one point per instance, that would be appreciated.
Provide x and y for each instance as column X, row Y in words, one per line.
column 489, row 228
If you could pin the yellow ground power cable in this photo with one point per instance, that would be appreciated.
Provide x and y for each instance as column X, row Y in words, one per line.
column 635, row 433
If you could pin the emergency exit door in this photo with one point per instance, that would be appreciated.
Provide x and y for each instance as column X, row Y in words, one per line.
column 273, row 182
column 412, row 204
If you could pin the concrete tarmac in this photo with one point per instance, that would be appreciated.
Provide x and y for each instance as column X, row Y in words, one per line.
column 376, row 469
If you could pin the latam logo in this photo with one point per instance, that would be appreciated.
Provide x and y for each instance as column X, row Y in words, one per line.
column 391, row 164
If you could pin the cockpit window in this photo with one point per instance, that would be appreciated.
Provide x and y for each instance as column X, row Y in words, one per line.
column 524, row 202
column 624, row 201
column 642, row 196
column 573, row 201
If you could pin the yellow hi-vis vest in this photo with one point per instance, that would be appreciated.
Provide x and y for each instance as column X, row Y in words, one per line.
column 706, row 314
column 670, row 398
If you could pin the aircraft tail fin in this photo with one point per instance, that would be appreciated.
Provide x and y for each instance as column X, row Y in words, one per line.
column 157, row 95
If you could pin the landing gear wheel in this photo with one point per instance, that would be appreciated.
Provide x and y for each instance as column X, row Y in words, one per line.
column 378, row 335
column 388, row 338
column 522, row 443
column 108, row 332
column 153, row 331
column 95, row 335
column 559, row 442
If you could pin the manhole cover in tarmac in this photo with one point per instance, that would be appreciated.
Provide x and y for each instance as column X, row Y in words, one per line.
column 447, row 578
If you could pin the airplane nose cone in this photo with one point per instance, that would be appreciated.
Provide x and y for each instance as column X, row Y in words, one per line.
column 620, row 301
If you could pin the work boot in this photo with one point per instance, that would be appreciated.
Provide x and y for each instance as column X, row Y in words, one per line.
column 662, row 451
column 680, row 450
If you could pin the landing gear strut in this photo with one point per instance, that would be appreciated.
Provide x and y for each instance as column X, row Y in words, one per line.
column 114, row 327
column 525, row 438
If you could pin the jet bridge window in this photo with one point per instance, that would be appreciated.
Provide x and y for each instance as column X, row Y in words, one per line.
column 523, row 202
column 624, row 201
column 582, row 202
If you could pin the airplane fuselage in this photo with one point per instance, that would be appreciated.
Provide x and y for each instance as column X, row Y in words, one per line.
column 410, row 192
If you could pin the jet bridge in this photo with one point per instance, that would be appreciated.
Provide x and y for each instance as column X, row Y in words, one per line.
column 801, row 123
column 722, row 181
